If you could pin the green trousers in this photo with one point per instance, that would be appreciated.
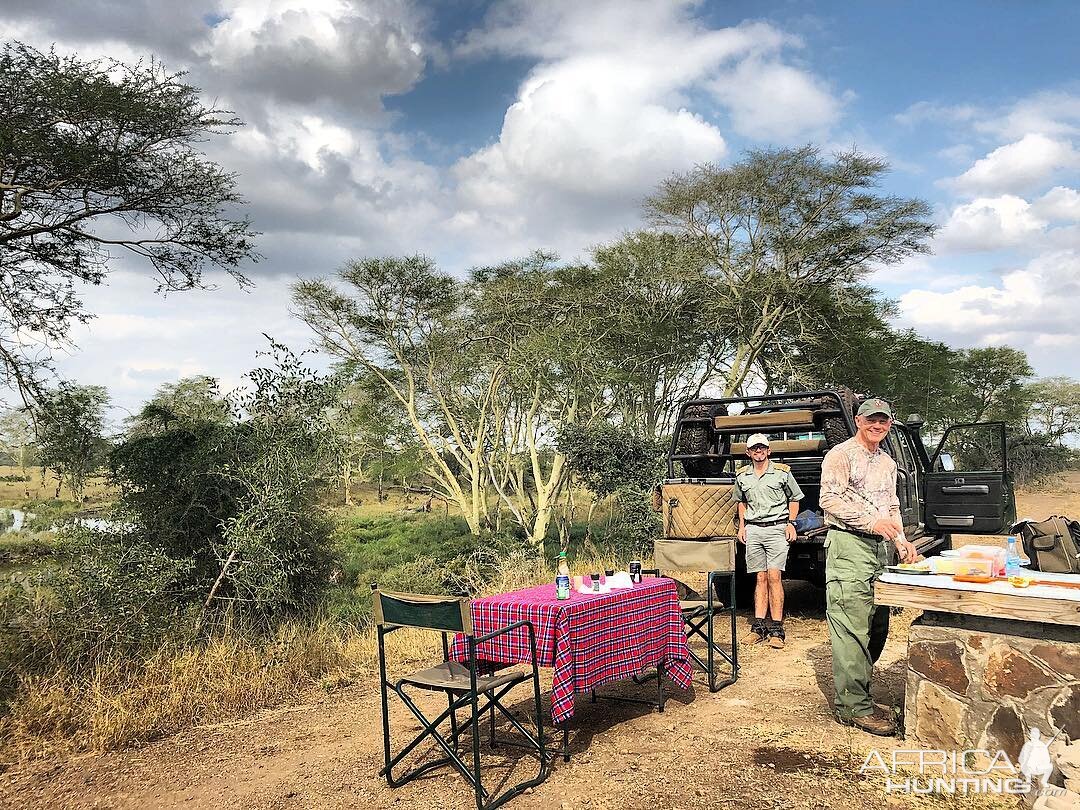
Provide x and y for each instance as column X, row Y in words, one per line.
column 857, row 628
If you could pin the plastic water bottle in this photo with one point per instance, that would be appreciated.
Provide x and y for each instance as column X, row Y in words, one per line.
column 1012, row 559
column 562, row 578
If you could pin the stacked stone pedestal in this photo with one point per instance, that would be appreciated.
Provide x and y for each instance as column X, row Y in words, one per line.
column 980, row 683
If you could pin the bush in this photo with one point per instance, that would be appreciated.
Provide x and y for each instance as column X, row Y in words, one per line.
column 236, row 502
column 634, row 527
column 114, row 596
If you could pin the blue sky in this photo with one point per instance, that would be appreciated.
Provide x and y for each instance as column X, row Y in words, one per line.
column 478, row 131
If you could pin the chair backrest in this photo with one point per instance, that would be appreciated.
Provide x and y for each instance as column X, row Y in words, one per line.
column 445, row 613
column 713, row 554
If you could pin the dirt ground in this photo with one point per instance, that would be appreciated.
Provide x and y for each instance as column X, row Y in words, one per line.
column 767, row 741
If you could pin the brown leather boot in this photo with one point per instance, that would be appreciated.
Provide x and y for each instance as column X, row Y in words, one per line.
column 878, row 723
column 757, row 632
column 776, row 636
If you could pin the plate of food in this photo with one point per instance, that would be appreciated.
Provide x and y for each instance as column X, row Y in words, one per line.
column 919, row 568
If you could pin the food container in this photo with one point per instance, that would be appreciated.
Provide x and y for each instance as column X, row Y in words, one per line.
column 943, row 565
column 996, row 554
column 975, row 569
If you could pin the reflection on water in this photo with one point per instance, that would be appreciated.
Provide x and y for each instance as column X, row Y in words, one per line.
column 18, row 518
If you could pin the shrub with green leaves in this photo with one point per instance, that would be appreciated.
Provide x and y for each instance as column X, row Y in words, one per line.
column 113, row 596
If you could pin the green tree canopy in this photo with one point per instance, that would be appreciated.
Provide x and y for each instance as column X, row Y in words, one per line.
column 97, row 156
column 70, row 430
column 190, row 401
column 787, row 235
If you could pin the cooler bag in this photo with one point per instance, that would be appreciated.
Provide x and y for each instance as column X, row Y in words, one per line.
column 698, row 525
column 1052, row 545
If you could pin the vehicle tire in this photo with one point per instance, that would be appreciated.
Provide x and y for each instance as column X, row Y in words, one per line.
column 693, row 440
column 835, row 428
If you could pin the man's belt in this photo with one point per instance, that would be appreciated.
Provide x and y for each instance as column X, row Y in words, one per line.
column 767, row 522
column 864, row 535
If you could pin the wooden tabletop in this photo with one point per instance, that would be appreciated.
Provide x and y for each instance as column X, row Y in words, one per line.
column 973, row 602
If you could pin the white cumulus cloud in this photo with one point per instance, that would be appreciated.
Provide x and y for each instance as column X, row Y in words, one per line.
column 602, row 119
column 1031, row 307
column 345, row 52
column 989, row 223
column 1018, row 166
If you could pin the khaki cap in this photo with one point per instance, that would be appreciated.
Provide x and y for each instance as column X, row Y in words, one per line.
column 756, row 439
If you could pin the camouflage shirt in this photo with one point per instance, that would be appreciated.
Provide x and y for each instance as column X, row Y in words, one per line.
column 858, row 488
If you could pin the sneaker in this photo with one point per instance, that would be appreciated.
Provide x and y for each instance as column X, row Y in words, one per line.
column 776, row 636
column 878, row 723
column 756, row 635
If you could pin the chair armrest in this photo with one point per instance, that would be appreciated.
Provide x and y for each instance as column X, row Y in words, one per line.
column 507, row 629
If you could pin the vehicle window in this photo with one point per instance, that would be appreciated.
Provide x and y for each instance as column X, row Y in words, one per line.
column 971, row 448
column 905, row 449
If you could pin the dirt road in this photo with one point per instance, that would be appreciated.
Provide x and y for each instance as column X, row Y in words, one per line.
column 767, row 741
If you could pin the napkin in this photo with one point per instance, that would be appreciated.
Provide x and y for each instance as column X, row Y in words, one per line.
column 620, row 580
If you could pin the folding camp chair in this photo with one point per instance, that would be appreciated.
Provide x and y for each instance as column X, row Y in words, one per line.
column 464, row 689
column 699, row 615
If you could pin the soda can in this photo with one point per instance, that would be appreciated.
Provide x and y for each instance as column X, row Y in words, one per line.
column 562, row 587
column 635, row 571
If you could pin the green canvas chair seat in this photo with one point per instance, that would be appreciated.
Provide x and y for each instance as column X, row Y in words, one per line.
column 466, row 691
column 450, row 675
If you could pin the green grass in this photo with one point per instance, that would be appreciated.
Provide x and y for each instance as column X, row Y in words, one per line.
column 17, row 547
column 370, row 546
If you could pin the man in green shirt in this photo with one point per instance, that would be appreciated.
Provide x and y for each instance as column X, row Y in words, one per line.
column 768, row 497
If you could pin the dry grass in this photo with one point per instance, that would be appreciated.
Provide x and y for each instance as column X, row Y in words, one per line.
column 231, row 676
column 38, row 487
column 125, row 702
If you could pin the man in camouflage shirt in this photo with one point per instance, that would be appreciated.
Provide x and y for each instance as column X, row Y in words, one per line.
column 858, row 495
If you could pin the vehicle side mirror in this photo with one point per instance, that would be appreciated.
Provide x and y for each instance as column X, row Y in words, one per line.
column 947, row 462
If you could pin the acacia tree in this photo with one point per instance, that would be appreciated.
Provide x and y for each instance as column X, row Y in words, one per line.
column 17, row 436
column 782, row 231
column 70, row 427
column 553, row 331
column 988, row 385
column 189, row 401
column 98, row 157
column 404, row 323
column 370, row 437
column 1055, row 408
column 660, row 338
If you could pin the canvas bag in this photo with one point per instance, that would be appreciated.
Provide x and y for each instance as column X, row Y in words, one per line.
column 1052, row 545
column 696, row 511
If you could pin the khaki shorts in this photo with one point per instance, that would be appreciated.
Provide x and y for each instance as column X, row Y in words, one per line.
column 766, row 547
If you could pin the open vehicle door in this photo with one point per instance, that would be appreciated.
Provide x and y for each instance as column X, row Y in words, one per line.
column 968, row 487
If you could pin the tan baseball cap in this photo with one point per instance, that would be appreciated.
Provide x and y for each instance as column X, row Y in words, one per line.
column 756, row 439
column 873, row 406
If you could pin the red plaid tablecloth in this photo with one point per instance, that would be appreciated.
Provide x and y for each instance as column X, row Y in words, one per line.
column 588, row 639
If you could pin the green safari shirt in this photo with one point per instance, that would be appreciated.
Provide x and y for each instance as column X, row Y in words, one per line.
column 767, row 497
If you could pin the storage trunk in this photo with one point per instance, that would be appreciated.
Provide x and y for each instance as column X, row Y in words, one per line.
column 699, row 525
column 697, row 509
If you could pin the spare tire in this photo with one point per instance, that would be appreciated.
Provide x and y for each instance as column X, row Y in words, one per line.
column 836, row 428
column 696, row 439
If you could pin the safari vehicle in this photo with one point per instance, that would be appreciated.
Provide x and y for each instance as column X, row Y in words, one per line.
column 962, row 487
